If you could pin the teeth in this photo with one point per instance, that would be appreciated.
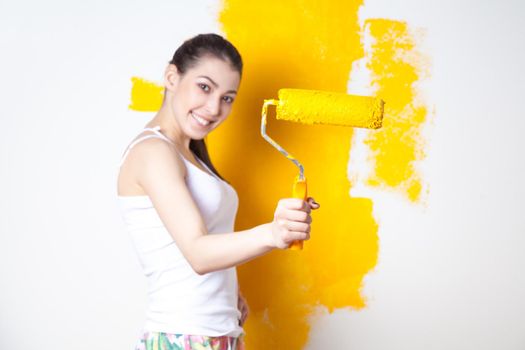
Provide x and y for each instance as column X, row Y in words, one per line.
column 201, row 121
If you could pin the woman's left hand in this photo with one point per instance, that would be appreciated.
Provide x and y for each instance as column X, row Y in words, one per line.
column 242, row 305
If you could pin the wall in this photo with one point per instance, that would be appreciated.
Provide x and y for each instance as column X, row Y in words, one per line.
column 443, row 264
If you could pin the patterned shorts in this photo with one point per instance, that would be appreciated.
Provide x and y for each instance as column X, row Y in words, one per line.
column 169, row 341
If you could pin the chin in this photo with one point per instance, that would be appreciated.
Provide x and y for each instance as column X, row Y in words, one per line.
column 198, row 138
column 197, row 135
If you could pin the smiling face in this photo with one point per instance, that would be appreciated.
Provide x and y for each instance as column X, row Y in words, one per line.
column 201, row 98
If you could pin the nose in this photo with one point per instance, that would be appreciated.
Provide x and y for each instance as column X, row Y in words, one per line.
column 213, row 106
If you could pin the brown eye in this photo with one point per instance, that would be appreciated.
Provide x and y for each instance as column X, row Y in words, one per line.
column 228, row 99
column 204, row 87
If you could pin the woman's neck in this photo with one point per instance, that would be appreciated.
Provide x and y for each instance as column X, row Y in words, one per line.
column 169, row 127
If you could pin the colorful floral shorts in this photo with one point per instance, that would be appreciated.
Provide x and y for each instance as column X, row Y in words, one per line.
column 169, row 341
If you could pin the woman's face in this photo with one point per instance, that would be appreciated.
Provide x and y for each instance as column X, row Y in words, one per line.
column 203, row 96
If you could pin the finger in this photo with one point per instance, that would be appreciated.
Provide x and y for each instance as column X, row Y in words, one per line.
column 302, row 236
column 293, row 203
column 305, row 207
column 294, row 215
column 244, row 315
column 294, row 226
column 242, row 318
column 313, row 204
column 299, row 236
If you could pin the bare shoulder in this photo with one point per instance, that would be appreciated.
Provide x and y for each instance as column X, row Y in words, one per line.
column 150, row 161
column 158, row 171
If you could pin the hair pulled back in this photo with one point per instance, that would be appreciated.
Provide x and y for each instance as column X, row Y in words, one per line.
column 189, row 53
column 188, row 56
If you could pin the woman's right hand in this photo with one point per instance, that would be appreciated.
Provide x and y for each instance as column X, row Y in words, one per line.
column 292, row 221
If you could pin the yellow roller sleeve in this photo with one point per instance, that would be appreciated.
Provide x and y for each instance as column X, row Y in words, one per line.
column 331, row 108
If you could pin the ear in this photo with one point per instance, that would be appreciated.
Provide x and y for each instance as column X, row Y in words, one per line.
column 171, row 77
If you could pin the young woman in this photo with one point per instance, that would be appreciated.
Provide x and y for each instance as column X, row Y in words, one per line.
column 180, row 213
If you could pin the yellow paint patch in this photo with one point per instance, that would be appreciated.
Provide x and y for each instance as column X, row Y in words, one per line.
column 307, row 45
column 146, row 96
column 396, row 65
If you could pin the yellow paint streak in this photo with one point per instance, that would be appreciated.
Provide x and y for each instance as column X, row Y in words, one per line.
column 308, row 45
column 146, row 96
column 395, row 66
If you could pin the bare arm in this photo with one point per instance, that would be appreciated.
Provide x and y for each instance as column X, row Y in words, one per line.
column 161, row 175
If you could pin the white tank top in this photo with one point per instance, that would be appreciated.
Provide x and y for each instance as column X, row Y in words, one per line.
column 179, row 300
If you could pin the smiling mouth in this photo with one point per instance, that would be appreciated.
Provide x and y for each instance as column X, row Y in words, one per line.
column 200, row 120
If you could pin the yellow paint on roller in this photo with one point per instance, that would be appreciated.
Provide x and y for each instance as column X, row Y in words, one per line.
column 399, row 144
column 321, row 107
column 146, row 96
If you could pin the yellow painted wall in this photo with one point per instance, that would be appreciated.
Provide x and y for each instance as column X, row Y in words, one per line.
column 312, row 45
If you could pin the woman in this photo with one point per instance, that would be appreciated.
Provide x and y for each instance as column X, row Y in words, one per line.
column 180, row 212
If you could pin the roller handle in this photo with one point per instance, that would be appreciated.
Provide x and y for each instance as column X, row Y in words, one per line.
column 299, row 191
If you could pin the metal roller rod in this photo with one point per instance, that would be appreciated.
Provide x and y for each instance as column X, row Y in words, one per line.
column 275, row 144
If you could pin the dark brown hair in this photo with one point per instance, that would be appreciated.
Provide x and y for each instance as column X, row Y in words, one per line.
column 188, row 56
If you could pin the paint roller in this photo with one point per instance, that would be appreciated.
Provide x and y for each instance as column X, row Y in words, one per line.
column 320, row 107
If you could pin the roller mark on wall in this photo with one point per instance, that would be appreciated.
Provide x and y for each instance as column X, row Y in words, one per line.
column 146, row 96
column 396, row 65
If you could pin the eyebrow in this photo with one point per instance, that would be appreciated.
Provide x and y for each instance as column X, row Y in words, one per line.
column 215, row 84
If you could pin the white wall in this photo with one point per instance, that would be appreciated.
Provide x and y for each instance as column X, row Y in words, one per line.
column 449, row 273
